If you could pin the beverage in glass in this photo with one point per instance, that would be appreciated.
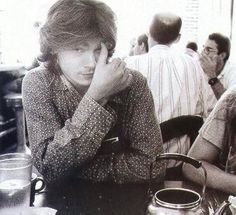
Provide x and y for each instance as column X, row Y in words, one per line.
column 15, row 182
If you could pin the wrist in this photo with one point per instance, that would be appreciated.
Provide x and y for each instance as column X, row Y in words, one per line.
column 97, row 98
column 213, row 81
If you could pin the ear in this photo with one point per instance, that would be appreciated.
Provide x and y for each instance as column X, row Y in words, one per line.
column 142, row 46
column 151, row 41
column 222, row 55
column 177, row 39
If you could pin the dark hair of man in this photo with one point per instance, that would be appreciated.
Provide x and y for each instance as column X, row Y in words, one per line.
column 143, row 38
column 223, row 44
column 165, row 28
column 192, row 45
column 70, row 22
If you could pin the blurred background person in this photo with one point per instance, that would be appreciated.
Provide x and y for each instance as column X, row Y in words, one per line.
column 176, row 80
column 141, row 45
column 192, row 50
column 214, row 61
column 132, row 44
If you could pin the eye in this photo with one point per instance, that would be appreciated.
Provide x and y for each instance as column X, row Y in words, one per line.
column 98, row 50
column 79, row 50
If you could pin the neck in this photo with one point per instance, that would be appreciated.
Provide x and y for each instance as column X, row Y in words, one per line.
column 220, row 67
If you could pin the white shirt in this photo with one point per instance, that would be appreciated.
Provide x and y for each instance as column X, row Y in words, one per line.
column 192, row 53
column 228, row 76
column 179, row 87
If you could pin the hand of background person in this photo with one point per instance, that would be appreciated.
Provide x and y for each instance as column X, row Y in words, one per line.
column 209, row 65
column 109, row 78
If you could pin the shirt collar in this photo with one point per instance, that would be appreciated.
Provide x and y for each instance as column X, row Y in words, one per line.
column 158, row 47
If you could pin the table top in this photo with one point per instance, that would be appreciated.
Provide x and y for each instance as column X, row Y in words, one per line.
column 11, row 67
column 80, row 197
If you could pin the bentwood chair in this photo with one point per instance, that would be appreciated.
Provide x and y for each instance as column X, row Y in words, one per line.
column 177, row 127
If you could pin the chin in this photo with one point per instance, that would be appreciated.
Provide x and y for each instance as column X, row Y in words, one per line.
column 85, row 83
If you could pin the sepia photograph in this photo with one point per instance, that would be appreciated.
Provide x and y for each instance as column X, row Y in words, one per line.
column 114, row 107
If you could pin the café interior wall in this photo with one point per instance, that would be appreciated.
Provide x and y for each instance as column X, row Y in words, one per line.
column 19, row 39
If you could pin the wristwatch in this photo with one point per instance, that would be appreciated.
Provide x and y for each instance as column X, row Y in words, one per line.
column 213, row 81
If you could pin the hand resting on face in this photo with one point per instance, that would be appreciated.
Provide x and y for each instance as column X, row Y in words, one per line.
column 109, row 78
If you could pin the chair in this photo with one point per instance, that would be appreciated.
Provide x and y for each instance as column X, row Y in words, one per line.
column 181, row 125
column 177, row 127
column 14, row 101
column 8, row 135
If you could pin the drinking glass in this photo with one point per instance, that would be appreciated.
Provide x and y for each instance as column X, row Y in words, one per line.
column 15, row 182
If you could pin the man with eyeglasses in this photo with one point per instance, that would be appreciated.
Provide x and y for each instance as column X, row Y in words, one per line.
column 214, row 61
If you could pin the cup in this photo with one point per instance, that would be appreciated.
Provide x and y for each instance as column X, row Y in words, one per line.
column 15, row 182
column 232, row 200
column 37, row 185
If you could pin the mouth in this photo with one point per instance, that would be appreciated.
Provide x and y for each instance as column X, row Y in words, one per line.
column 87, row 74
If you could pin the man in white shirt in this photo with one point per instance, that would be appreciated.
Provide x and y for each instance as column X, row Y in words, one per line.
column 177, row 82
column 141, row 45
column 191, row 50
column 214, row 61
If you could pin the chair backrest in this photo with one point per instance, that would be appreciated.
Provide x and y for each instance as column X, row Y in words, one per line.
column 179, row 126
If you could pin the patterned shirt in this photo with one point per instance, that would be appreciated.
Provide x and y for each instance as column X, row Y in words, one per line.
column 178, row 85
column 70, row 134
column 220, row 132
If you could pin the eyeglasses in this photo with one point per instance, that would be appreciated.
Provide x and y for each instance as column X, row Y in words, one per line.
column 209, row 50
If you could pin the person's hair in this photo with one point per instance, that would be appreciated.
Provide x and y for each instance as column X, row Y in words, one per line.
column 165, row 28
column 192, row 45
column 223, row 43
column 143, row 38
column 70, row 22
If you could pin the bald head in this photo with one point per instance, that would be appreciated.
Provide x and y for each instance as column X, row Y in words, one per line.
column 165, row 28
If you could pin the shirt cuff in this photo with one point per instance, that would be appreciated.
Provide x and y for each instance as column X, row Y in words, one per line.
column 90, row 110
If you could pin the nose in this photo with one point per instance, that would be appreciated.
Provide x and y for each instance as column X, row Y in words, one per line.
column 91, row 61
column 204, row 51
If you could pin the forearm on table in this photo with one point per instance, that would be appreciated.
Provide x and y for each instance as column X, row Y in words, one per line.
column 122, row 168
column 135, row 167
column 72, row 145
column 216, row 178
column 57, row 159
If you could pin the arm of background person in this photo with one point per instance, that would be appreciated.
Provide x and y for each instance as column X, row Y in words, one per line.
column 209, row 66
column 206, row 95
column 206, row 152
column 218, row 89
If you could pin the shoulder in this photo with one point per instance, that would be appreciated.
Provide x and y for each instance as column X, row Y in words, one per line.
column 225, row 106
column 138, row 78
column 137, row 87
column 36, row 81
column 34, row 75
column 228, row 99
column 38, row 76
column 229, row 95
